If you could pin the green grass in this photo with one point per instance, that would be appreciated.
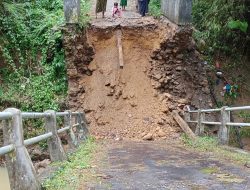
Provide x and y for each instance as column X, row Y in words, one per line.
column 155, row 8
column 210, row 144
column 70, row 173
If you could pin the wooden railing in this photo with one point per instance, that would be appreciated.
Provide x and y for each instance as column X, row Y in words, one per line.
column 21, row 171
column 224, row 124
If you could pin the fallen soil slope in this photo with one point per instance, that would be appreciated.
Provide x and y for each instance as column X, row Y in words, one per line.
column 162, row 72
column 122, row 102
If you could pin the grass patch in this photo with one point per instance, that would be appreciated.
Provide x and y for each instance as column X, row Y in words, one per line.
column 70, row 173
column 210, row 144
column 211, row 170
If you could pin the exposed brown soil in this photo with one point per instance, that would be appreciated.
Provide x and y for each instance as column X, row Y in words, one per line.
column 121, row 103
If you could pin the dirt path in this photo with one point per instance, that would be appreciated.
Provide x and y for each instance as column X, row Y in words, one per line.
column 130, row 11
column 163, row 165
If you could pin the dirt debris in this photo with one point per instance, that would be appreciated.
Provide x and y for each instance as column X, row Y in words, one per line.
column 135, row 102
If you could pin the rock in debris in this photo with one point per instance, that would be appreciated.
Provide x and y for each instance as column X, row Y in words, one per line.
column 118, row 93
column 182, row 101
column 111, row 92
column 160, row 121
column 161, row 133
column 148, row 137
column 118, row 139
column 133, row 104
column 179, row 68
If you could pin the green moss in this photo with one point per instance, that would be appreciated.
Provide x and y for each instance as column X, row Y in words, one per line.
column 210, row 170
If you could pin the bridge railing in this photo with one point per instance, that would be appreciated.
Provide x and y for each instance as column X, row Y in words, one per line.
column 21, row 171
column 224, row 123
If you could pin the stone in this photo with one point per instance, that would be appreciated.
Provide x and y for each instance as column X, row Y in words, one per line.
column 107, row 82
column 143, row 134
column 131, row 95
column 182, row 101
column 180, row 56
column 162, row 80
column 92, row 67
column 161, row 133
column 124, row 96
column 159, row 57
column 166, row 80
column 176, row 83
column 133, row 104
column 111, row 92
column 165, row 109
column 160, row 121
column 148, row 137
column 72, row 73
column 79, row 47
column 169, row 96
column 158, row 76
column 168, row 51
column 205, row 90
column 179, row 68
column 118, row 93
column 118, row 139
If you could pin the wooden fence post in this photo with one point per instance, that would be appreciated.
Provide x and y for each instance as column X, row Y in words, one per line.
column 54, row 143
column 21, row 171
column 72, row 140
column 224, row 130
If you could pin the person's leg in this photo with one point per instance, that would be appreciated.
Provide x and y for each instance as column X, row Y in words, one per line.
column 103, row 13
column 144, row 6
column 140, row 7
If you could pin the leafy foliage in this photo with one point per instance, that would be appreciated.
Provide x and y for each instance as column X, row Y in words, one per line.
column 155, row 8
column 216, row 21
column 33, row 70
column 238, row 25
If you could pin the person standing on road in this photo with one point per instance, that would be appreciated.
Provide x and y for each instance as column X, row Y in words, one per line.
column 123, row 4
column 142, row 7
column 100, row 7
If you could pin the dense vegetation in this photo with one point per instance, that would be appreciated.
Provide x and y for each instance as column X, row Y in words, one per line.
column 222, row 33
column 155, row 8
column 223, row 25
column 32, row 65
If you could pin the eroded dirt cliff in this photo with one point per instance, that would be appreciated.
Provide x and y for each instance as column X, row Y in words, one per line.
column 162, row 72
